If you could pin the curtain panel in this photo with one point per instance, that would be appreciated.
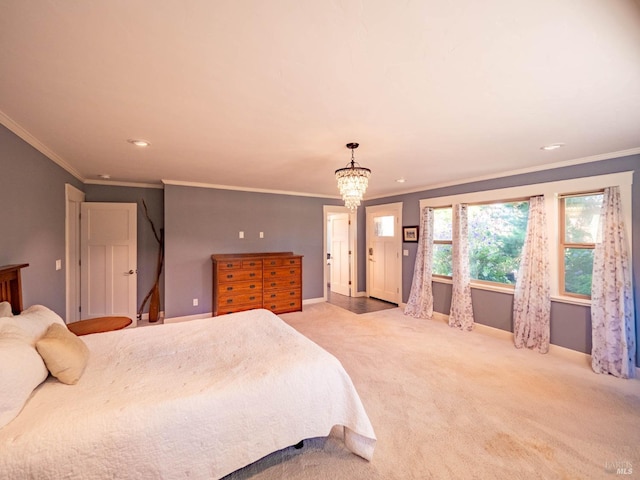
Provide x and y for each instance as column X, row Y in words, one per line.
column 420, row 303
column 461, row 313
column 612, row 305
column 532, row 295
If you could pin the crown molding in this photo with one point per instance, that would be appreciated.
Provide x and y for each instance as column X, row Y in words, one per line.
column 244, row 189
column 116, row 183
column 510, row 173
column 38, row 145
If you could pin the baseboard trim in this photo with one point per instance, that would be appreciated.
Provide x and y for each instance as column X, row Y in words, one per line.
column 555, row 350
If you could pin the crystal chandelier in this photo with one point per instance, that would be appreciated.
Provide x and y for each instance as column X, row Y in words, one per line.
column 352, row 181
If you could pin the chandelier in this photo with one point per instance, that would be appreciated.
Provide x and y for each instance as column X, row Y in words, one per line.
column 352, row 181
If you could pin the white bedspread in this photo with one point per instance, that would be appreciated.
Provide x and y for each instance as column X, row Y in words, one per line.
column 197, row 399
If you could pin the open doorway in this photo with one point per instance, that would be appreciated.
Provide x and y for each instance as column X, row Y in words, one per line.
column 339, row 251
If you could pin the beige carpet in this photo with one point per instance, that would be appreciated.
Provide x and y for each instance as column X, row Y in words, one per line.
column 447, row 404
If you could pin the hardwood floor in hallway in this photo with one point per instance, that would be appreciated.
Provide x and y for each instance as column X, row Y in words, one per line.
column 358, row 304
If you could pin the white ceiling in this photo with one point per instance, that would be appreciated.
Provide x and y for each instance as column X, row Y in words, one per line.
column 265, row 94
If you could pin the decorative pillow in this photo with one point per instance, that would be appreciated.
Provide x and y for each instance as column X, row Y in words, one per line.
column 5, row 310
column 35, row 320
column 64, row 353
column 21, row 370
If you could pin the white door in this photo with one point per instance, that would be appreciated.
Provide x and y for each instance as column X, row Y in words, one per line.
column 340, row 254
column 383, row 251
column 74, row 199
column 109, row 260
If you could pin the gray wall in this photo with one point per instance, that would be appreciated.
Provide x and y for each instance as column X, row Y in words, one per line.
column 199, row 222
column 147, row 244
column 32, row 193
column 202, row 221
column 570, row 324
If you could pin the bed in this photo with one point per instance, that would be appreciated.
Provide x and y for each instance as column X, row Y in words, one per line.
column 198, row 399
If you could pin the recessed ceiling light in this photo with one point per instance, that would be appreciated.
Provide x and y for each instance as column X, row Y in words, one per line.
column 553, row 146
column 138, row 142
column 400, row 180
column 104, row 176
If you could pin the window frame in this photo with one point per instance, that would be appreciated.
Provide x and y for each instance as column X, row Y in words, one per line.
column 563, row 244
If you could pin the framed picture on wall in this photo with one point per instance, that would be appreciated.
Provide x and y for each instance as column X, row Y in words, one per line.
column 410, row 234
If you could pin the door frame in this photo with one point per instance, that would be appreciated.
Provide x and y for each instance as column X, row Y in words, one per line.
column 396, row 208
column 328, row 210
column 72, row 252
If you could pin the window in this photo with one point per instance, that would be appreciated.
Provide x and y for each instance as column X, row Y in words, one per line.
column 442, row 236
column 383, row 226
column 496, row 237
column 579, row 217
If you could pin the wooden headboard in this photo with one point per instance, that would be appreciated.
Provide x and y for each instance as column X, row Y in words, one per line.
column 11, row 286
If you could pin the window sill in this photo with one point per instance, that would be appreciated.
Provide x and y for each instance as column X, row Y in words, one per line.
column 509, row 290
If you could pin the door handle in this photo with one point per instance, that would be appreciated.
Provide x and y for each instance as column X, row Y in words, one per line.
column 131, row 272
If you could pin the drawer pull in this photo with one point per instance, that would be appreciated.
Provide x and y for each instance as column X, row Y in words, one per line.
column 230, row 275
column 229, row 300
column 292, row 282
column 229, row 289
column 252, row 298
column 229, row 265
column 273, row 284
column 252, row 264
column 292, row 304
column 292, row 271
column 273, row 262
column 273, row 273
column 273, row 307
column 252, row 286
column 273, row 295
column 292, row 293
column 252, row 274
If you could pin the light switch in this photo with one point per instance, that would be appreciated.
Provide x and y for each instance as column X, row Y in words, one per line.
column 241, row 235
column 261, row 234
column 405, row 253
column 58, row 264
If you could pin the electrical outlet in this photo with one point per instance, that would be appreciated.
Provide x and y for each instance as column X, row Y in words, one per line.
column 261, row 234
column 241, row 235
column 195, row 302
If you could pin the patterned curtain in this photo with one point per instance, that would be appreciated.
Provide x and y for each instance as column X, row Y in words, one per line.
column 461, row 314
column 420, row 304
column 612, row 305
column 532, row 296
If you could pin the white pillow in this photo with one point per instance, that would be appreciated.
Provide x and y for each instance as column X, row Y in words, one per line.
column 5, row 310
column 21, row 371
column 35, row 320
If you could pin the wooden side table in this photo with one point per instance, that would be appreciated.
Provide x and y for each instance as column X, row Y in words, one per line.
column 99, row 325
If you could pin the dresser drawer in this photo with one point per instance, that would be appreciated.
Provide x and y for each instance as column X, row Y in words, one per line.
column 278, row 295
column 233, row 298
column 284, row 305
column 241, row 275
column 238, row 288
column 281, row 272
column 281, row 262
column 280, row 283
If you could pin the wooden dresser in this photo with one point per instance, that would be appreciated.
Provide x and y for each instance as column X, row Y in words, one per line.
column 243, row 281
